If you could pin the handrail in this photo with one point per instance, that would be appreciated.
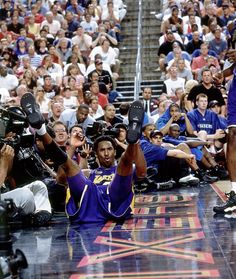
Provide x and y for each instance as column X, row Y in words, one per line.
column 138, row 75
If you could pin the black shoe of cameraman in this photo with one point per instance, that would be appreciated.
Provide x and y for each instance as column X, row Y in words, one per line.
column 38, row 219
column 32, row 110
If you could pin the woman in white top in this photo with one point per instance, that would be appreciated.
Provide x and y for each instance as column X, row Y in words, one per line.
column 42, row 100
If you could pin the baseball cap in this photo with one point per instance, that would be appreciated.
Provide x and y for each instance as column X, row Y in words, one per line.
column 213, row 103
column 155, row 133
column 98, row 61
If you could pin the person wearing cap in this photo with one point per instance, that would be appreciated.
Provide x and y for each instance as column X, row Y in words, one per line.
column 104, row 76
column 215, row 106
column 227, row 15
column 164, row 159
column 198, row 148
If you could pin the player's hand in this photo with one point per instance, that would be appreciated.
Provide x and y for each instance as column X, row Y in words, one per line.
column 77, row 139
column 231, row 55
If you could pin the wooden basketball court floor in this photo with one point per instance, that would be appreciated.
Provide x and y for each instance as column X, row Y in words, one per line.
column 171, row 235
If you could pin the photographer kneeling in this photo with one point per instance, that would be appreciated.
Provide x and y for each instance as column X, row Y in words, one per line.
column 31, row 200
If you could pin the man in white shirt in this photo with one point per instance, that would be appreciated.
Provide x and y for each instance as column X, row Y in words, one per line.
column 54, row 25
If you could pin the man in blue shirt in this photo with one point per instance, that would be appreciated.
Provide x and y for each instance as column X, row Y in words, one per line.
column 206, row 123
column 164, row 159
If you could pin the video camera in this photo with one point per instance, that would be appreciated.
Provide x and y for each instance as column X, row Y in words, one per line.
column 10, row 263
column 13, row 119
column 100, row 128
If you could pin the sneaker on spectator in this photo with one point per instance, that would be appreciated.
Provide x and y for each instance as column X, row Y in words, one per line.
column 219, row 171
column 189, row 180
column 229, row 206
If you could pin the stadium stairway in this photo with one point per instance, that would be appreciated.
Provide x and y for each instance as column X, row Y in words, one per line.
column 150, row 32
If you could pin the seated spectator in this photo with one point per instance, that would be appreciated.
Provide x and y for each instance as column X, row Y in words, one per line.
column 174, row 22
column 94, row 89
column 55, row 110
column 201, row 61
column 54, row 69
column 172, row 82
column 15, row 25
column 197, row 148
column 107, row 53
column 227, row 15
column 210, row 13
column 63, row 48
column 95, row 110
column 42, row 100
column 80, row 115
column 50, row 89
column 183, row 70
column 207, row 88
column 206, row 123
column 104, row 33
column 218, row 44
column 90, row 26
column 110, row 116
column 194, row 43
column 163, row 159
column 176, row 54
column 212, row 27
column 174, row 115
column 54, row 25
column 83, row 40
column 70, row 101
column 215, row 107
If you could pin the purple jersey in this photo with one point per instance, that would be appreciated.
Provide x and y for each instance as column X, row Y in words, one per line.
column 95, row 202
column 232, row 102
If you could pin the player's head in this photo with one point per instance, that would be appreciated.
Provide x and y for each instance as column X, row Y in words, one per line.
column 105, row 148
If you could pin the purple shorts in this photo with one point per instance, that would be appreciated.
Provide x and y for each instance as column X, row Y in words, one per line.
column 94, row 203
column 232, row 102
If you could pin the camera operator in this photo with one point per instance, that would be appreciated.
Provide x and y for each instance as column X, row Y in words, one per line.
column 30, row 200
column 110, row 116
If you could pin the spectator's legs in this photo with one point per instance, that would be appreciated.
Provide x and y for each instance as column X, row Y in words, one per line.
column 23, row 199
column 40, row 192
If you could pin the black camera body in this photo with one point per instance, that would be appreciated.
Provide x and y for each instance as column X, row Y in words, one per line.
column 100, row 128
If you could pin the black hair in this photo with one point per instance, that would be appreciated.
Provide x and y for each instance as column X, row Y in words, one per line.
column 76, row 125
column 103, row 138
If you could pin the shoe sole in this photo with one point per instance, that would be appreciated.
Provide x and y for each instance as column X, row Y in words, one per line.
column 135, row 116
column 189, row 183
column 30, row 107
